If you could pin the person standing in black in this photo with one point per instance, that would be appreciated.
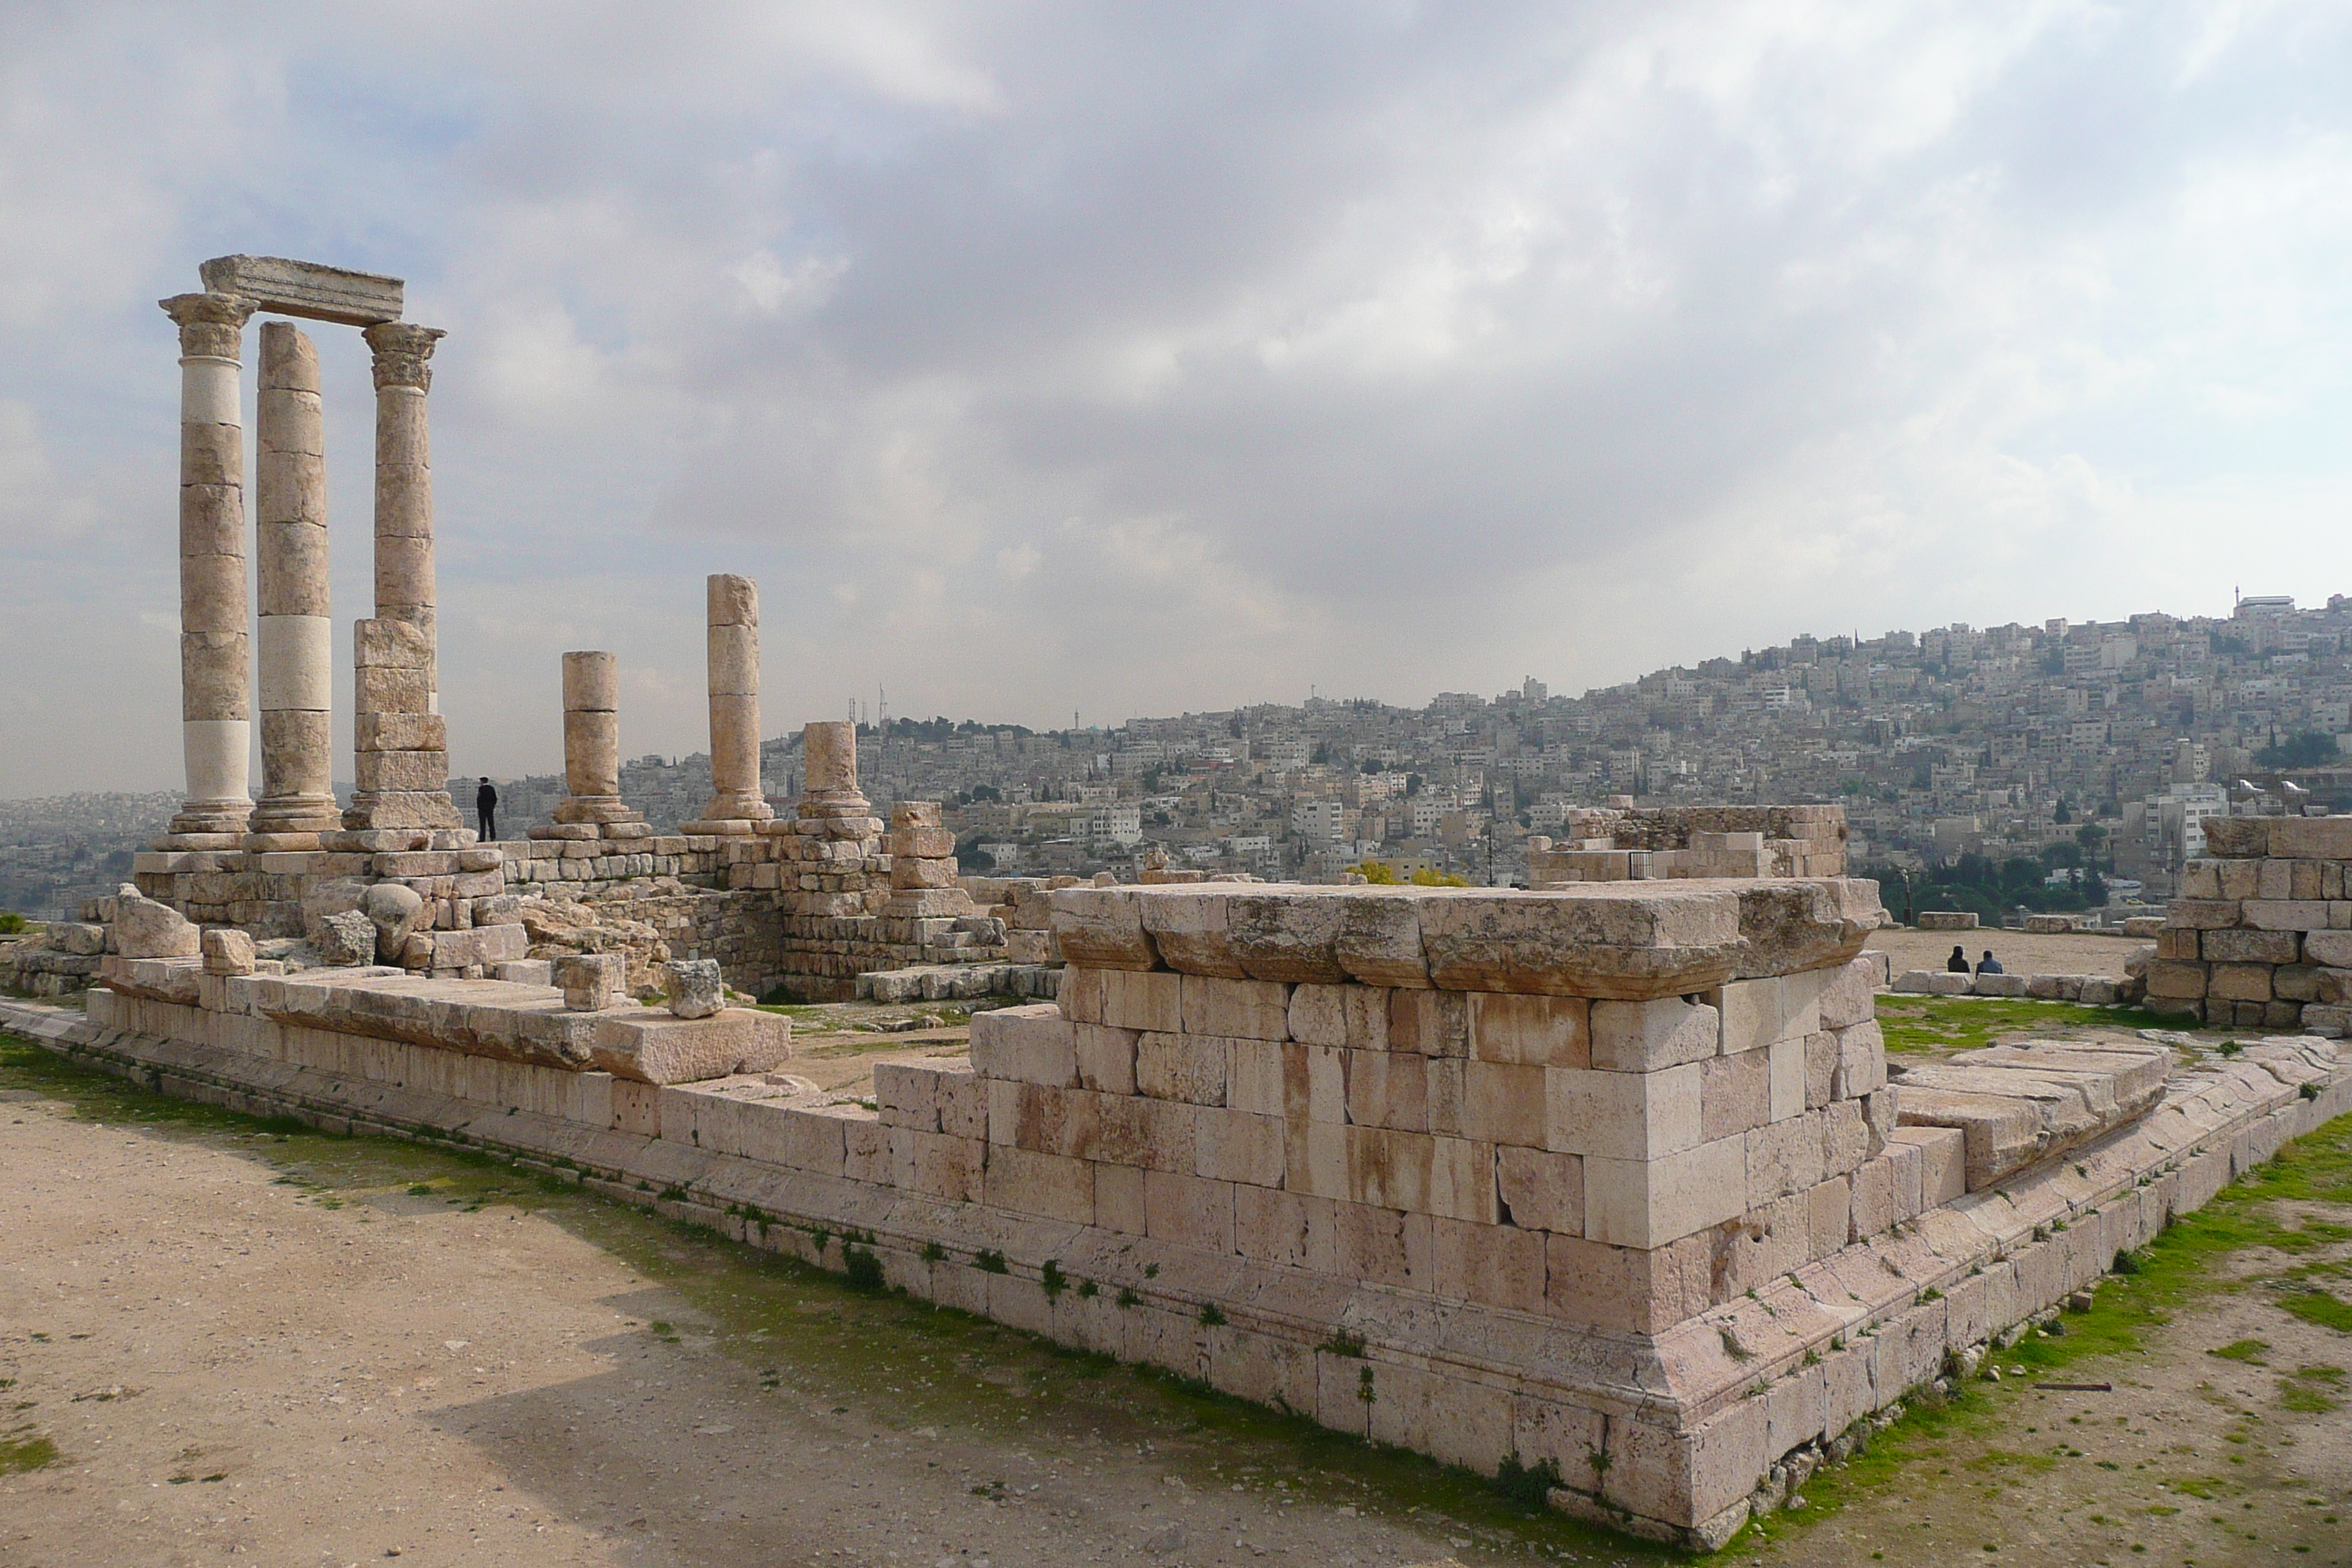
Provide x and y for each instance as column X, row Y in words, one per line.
column 485, row 808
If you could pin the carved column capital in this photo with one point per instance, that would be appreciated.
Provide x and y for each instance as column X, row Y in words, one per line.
column 401, row 349
column 211, row 325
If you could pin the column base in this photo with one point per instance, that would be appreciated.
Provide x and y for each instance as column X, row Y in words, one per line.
column 738, row 805
column 401, row 809
column 175, row 842
column 291, row 822
column 595, row 808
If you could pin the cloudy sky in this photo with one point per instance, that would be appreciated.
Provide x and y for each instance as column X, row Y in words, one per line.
column 1119, row 360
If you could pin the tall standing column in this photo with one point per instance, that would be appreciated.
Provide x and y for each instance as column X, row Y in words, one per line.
column 737, row 803
column 215, row 667
column 293, row 646
column 403, row 485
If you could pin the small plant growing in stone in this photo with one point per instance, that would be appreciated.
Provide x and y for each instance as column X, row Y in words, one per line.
column 1052, row 1277
column 933, row 1252
column 861, row 1269
column 1088, row 1290
column 990, row 1261
column 1342, row 1342
column 1364, row 1386
column 1210, row 1317
column 1128, row 1298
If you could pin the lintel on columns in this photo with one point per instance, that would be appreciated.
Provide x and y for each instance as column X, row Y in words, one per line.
column 306, row 289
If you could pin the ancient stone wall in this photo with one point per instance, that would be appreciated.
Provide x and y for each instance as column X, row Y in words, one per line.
column 1605, row 1181
column 2261, row 937
column 1611, row 844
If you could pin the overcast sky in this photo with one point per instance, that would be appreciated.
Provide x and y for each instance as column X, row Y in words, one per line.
column 1129, row 359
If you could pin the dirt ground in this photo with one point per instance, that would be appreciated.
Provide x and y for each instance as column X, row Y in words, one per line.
column 250, row 1343
column 2021, row 952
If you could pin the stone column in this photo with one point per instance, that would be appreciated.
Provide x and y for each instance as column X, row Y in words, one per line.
column 593, row 806
column 293, row 636
column 215, row 667
column 403, row 486
column 737, row 804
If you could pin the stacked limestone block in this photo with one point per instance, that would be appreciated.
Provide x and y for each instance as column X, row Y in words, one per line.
column 592, row 810
column 1022, row 904
column 2262, row 934
column 1109, row 1183
column 1621, row 845
column 401, row 747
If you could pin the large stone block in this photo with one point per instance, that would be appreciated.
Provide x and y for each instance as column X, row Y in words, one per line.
column 1386, row 1090
column 1535, row 1031
column 1102, row 927
column 2311, row 837
column 649, row 1047
column 1631, row 940
column 1029, row 1045
column 1644, row 1037
column 1622, row 1115
column 1245, row 1009
column 1541, row 1190
column 1291, row 937
column 1190, row 1067
column 1647, row 1202
column 1761, row 1012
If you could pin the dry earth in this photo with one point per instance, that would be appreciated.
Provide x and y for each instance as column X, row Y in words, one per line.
column 2020, row 952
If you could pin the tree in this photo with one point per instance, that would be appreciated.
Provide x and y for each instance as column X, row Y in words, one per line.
column 2305, row 749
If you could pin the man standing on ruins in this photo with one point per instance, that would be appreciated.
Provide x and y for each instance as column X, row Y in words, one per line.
column 485, row 808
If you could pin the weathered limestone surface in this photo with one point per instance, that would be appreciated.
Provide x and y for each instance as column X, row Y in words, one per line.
column 733, row 634
column 216, row 667
column 405, row 576
column 1610, row 845
column 2262, row 934
column 2018, row 1103
column 401, row 745
column 1501, row 1211
column 306, row 289
column 294, row 634
column 593, row 806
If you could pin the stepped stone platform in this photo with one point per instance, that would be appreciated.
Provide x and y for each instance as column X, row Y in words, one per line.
column 1611, row 1180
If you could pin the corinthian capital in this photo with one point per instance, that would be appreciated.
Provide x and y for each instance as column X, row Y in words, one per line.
column 211, row 325
column 401, row 349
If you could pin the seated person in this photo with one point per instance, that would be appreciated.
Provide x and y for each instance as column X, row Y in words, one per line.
column 1988, row 965
column 1958, row 963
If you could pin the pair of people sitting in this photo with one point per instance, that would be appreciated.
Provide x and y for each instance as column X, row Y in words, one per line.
column 1958, row 963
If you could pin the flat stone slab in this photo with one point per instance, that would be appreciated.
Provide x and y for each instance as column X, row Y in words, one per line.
column 1627, row 941
column 514, row 1022
column 306, row 289
column 2021, row 1101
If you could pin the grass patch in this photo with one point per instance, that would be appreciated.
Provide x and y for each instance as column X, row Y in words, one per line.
column 1939, row 1025
column 2243, row 1349
column 2319, row 1306
column 24, row 1450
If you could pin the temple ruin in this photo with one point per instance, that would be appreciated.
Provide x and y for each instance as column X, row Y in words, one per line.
column 1609, row 1180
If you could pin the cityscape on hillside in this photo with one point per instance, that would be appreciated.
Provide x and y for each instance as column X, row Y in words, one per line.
column 2060, row 765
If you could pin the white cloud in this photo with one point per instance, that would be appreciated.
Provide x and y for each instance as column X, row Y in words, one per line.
column 1389, row 349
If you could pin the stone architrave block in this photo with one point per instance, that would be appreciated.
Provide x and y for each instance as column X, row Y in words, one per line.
column 1627, row 940
column 1287, row 937
column 650, row 1046
column 1379, row 942
column 2311, row 837
column 305, row 288
column 1642, row 1036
